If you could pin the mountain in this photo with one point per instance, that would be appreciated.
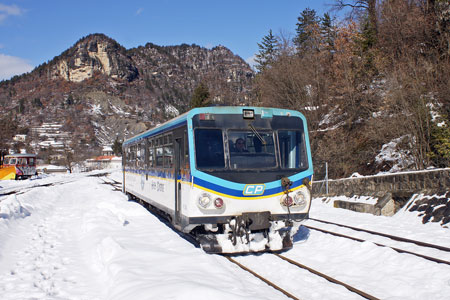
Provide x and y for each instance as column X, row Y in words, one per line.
column 99, row 91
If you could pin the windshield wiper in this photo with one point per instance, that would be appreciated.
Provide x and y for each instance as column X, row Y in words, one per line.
column 257, row 134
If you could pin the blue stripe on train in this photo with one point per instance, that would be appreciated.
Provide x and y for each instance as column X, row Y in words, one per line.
column 223, row 189
column 239, row 193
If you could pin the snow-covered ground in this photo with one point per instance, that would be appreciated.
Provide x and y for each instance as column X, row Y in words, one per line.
column 80, row 239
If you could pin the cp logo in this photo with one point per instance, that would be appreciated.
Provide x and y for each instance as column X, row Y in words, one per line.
column 254, row 189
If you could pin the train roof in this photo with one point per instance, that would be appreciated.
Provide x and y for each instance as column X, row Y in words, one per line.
column 177, row 121
column 19, row 155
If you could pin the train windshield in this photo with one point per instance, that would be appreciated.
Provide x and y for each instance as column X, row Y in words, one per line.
column 235, row 149
column 11, row 161
column 251, row 150
column 209, row 149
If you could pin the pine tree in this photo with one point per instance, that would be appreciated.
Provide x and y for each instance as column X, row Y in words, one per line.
column 307, row 19
column 21, row 108
column 69, row 100
column 267, row 51
column 117, row 147
column 328, row 31
column 200, row 97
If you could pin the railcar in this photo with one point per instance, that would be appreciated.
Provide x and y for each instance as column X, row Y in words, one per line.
column 18, row 166
column 237, row 179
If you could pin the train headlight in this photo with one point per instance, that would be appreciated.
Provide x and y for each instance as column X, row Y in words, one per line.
column 287, row 200
column 218, row 203
column 301, row 198
column 204, row 200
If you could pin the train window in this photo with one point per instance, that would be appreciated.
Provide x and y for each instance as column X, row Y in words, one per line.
column 12, row 161
column 142, row 155
column 150, row 157
column 168, row 156
column 251, row 150
column 186, row 150
column 292, row 149
column 150, row 153
column 159, row 157
column 209, row 149
column 133, row 155
column 128, row 156
column 31, row 161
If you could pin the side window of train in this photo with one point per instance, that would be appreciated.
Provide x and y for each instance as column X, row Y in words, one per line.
column 168, row 151
column 159, row 152
column 150, row 153
column 186, row 150
column 292, row 149
column 128, row 156
column 133, row 156
column 142, row 156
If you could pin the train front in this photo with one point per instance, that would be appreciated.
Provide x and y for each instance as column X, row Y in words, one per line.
column 251, row 177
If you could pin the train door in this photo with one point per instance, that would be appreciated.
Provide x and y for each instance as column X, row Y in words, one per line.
column 178, row 155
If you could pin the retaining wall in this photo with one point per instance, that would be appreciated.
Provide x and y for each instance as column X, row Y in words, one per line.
column 392, row 190
column 398, row 183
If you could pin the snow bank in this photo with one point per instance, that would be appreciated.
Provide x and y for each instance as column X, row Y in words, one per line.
column 12, row 208
column 80, row 239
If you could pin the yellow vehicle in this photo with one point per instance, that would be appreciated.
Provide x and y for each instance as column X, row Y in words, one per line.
column 18, row 166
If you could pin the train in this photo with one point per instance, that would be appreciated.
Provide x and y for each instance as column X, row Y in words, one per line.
column 236, row 179
column 18, row 166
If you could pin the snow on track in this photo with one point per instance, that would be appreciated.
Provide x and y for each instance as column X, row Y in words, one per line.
column 82, row 240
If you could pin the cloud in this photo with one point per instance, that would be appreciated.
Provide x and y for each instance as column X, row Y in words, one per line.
column 139, row 11
column 9, row 10
column 11, row 66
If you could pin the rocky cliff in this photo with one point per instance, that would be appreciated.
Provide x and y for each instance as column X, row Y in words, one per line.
column 101, row 91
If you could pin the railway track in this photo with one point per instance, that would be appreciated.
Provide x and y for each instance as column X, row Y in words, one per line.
column 294, row 295
column 18, row 190
column 440, row 248
column 21, row 189
column 117, row 186
column 401, row 239
column 304, row 267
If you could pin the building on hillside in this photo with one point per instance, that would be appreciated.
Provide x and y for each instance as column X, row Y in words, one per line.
column 104, row 162
column 107, row 150
column 20, row 137
column 50, row 135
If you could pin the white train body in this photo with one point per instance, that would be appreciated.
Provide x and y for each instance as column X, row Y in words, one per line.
column 232, row 201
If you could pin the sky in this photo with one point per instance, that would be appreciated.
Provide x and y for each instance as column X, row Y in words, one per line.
column 80, row 239
column 34, row 32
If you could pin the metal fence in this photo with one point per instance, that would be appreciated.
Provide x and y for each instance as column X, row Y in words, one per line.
column 321, row 176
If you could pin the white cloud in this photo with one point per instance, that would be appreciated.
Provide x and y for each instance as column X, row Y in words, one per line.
column 251, row 61
column 139, row 11
column 9, row 10
column 11, row 66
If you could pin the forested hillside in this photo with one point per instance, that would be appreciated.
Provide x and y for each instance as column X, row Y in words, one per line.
column 97, row 93
column 378, row 78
